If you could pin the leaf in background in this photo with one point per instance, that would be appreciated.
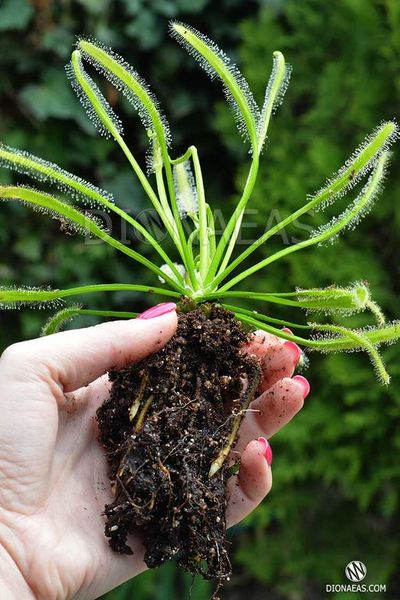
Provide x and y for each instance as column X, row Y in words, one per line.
column 59, row 40
column 95, row 7
column 15, row 14
column 53, row 98
column 145, row 30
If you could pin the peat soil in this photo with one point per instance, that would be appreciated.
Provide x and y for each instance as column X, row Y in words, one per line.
column 167, row 419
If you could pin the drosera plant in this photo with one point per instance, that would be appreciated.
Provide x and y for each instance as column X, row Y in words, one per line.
column 204, row 271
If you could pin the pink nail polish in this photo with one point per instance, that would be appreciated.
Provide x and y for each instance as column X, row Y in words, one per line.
column 287, row 330
column 304, row 384
column 266, row 449
column 158, row 310
column 294, row 350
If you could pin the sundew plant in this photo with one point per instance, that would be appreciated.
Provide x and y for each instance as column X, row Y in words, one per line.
column 205, row 267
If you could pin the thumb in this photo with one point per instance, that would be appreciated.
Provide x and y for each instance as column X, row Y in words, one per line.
column 73, row 359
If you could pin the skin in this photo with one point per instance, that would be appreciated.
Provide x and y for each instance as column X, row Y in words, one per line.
column 53, row 482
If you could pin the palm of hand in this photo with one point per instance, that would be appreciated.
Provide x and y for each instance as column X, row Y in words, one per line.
column 53, row 492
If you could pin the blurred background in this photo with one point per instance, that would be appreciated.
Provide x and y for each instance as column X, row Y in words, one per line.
column 336, row 478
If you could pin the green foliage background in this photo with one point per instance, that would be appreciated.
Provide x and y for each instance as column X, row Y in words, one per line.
column 337, row 473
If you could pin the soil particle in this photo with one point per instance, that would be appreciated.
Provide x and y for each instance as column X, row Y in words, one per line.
column 167, row 419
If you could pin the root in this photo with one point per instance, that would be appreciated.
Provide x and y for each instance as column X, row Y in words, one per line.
column 136, row 403
column 142, row 413
column 247, row 398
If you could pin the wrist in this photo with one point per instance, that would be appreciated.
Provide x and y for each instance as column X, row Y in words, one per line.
column 13, row 585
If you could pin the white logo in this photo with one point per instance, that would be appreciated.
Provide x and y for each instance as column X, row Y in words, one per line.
column 355, row 571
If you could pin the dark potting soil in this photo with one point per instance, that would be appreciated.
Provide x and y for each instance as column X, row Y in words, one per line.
column 166, row 421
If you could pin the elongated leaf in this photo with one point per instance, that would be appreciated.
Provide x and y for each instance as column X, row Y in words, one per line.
column 80, row 222
column 361, row 161
column 45, row 203
column 92, row 100
column 217, row 65
column 338, row 338
column 359, row 208
column 79, row 189
column 109, row 124
column 274, row 94
column 48, row 172
column 348, row 219
column 124, row 78
column 334, row 299
column 331, row 300
column 360, row 341
column 354, row 298
column 66, row 315
column 14, row 297
column 378, row 336
column 60, row 319
column 185, row 190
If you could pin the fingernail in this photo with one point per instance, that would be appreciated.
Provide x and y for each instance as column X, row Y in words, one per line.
column 287, row 330
column 294, row 350
column 158, row 310
column 266, row 449
column 304, row 384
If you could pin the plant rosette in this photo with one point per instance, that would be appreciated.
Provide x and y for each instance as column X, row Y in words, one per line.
column 171, row 420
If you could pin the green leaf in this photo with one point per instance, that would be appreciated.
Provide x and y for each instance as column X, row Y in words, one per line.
column 217, row 64
column 14, row 297
column 15, row 14
column 364, row 158
column 78, row 221
column 98, row 109
column 53, row 98
column 329, row 232
column 48, row 172
column 132, row 85
column 331, row 300
column 276, row 88
column 361, row 341
column 65, row 315
column 81, row 190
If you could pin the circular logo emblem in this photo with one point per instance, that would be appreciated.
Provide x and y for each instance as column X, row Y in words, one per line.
column 355, row 570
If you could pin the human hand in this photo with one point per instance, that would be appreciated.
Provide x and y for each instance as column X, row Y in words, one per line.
column 53, row 472
column 280, row 397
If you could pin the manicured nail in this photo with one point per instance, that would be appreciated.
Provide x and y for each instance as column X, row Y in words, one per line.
column 304, row 384
column 287, row 330
column 267, row 450
column 158, row 310
column 294, row 350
